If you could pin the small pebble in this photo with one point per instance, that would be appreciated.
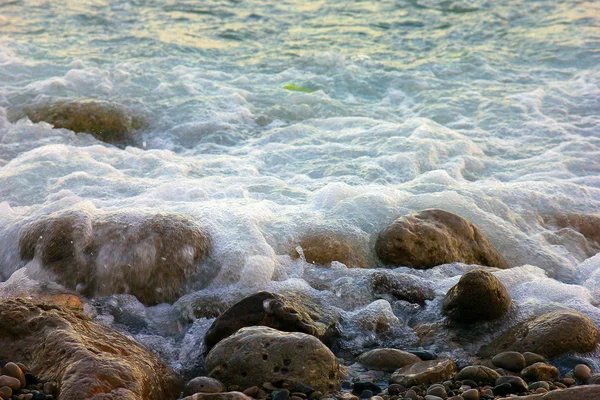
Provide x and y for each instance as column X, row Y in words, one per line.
column 541, row 390
column 569, row 381
column 281, row 394
column 411, row 394
column 252, row 391
column 366, row 394
column 437, row 390
column 471, row 394
column 5, row 392
column 269, row 386
column 11, row 382
column 582, row 372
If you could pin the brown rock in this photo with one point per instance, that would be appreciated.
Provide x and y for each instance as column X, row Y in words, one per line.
column 101, row 254
column 582, row 372
column 257, row 354
column 478, row 373
column 322, row 248
column 400, row 287
column 5, row 392
column 290, row 312
column 89, row 360
column 549, row 335
column 424, row 373
column 106, row 121
column 433, row 237
column 218, row 396
column 532, row 358
column 10, row 382
column 203, row 384
column 510, row 360
column 388, row 360
column 540, row 372
column 12, row 369
column 481, row 288
column 586, row 225
column 589, row 392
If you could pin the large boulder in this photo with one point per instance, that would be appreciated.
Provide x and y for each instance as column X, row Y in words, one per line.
column 106, row 121
column 478, row 296
column 259, row 354
column 549, row 335
column 433, row 237
column 388, row 360
column 393, row 286
column 151, row 256
column 424, row 373
column 88, row 360
column 290, row 312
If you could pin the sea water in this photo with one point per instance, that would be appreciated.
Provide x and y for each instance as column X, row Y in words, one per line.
column 267, row 120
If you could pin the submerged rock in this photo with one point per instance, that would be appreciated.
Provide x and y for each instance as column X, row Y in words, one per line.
column 106, row 121
column 322, row 248
column 388, row 360
column 478, row 296
column 400, row 287
column 150, row 256
column 88, row 360
column 289, row 312
column 549, row 335
column 434, row 237
column 424, row 372
column 259, row 354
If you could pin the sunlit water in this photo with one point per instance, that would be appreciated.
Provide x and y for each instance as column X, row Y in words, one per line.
column 489, row 109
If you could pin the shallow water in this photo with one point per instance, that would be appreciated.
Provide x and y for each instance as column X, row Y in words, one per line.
column 486, row 109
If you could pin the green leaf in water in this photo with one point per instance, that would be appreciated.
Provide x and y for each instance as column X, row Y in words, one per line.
column 296, row 88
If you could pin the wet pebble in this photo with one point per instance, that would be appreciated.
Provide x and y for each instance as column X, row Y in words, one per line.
column 582, row 372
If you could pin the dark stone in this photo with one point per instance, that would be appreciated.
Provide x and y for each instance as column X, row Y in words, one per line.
column 30, row 379
column 503, row 389
column 366, row 394
column 282, row 394
column 39, row 396
column 359, row 387
column 434, row 237
column 290, row 312
column 400, row 287
column 395, row 389
column 517, row 384
column 479, row 288
column 424, row 355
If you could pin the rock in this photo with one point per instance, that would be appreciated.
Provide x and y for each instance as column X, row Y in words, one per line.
column 366, row 394
column 540, row 372
column 510, row 360
column 478, row 373
column 5, row 392
column 218, row 396
column 503, row 389
column 589, row 392
column 437, row 390
column 9, row 381
column 532, row 358
column 411, row 394
column 594, row 379
column 281, row 394
column 395, row 389
column 431, row 397
column 400, row 287
column 322, row 248
column 12, row 369
column 549, row 335
column 582, row 372
column 359, row 387
column 569, row 381
column 388, row 360
column 257, row 354
column 517, row 384
column 106, row 121
column 203, row 384
column 434, row 237
column 471, row 394
column 83, row 356
column 150, row 256
column 290, row 312
column 539, row 384
column 424, row 372
column 476, row 287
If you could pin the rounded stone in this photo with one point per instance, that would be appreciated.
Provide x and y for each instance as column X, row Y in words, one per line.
column 437, row 390
column 582, row 372
column 203, row 384
column 11, row 382
column 258, row 354
column 12, row 369
column 388, row 360
column 471, row 394
column 540, row 372
column 411, row 394
column 539, row 384
column 517, row 384
column 434, row 237
column 5, row 392
column 532, row 358
column 510, row 360
column 481, row 288
column 478, row 373
column 424, row 372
